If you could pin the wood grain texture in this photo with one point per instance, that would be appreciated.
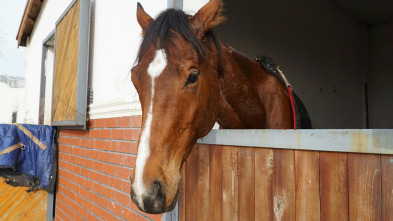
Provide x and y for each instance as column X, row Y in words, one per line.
column 202, row 204
column 246, row 183
column 16, row 204
column 284, row 185
column 230, row 179
column 307, row 185
column 263, row 167
column 364, row 173
column 191, row 185
column 387, row 187
column 182, row 194
column 215, row 182
column 333, row 171
column 66, row 66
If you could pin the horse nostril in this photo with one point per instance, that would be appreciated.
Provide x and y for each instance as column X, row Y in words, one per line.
column 156, row 187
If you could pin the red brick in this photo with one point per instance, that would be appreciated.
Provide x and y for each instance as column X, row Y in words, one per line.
column 99, row 123
column 132, row 134
column 95, row 133
column 77, row 150
column 75, row 188
column 105, row 134
column 99, row 144
column 91, row 123
column 61, row 140
column 103, row 179
column 80, row 160
column 97, row 211
column 105, row 156
column 107, row 215
column 116, row 183
column 73, row 141
column 85, row 153
column 118, row 134
column 94, row 154
column 83, row 192
column 77, row 169
column 127, row 187
column 101, row 201
column 72, row 159
column 109, row 193
column 82, row 212
column 109, row 169
column 88, row 184
column 129, row 161
column 124, row 147
column 129, row 215
column 89, row 143
column 123, row 199
column 110, row 145
column 85, row 133
column 93, row 175
column 134, row 148
column 117, row 158
column 88, row 163
column 123, row 173
column 98, row 166
column 124, row 122
column 91, row 217
column 111, row 122
column 136, row 121
column 93, row 196
column 87, row 204
column 78, row 199
column 115, row 208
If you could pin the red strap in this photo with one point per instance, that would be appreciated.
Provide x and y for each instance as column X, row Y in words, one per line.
column 293, row 107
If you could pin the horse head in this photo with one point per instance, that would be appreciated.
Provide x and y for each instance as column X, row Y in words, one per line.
column 176, row 79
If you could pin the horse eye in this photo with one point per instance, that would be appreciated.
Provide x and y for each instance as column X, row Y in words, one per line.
column 192, row 78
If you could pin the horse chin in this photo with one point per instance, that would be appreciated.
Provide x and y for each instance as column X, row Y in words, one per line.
column 173, row 204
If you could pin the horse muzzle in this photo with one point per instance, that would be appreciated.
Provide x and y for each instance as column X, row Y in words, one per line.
column 154, row 201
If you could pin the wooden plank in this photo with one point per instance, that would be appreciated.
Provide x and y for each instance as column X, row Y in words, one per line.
column 17, row 204
column 333, row 170
column 229, row 183
column 263, row 184
column 284, row 185
column 215, row 182
column 307, row 185
column 182, row 194
column 387, row 187
column 202, row 204
column 66, row 66
column 191, row 185
column 246, row 184
column 364, row 172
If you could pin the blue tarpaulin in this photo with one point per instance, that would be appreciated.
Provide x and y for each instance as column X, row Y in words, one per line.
column 30, row 149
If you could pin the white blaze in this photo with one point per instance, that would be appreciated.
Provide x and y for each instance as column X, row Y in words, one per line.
column 154, row 70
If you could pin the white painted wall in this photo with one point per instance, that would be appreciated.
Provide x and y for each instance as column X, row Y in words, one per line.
column 381, row 77
column 116, row 36
column 320, row 48
column 12, row 100
column 50, row 12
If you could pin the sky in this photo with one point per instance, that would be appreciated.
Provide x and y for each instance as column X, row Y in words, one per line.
column 12, row 58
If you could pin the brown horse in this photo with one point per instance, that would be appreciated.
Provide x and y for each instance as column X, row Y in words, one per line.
column 187, row 80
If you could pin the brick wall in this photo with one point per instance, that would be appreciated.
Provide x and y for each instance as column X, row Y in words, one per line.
column 94, row 171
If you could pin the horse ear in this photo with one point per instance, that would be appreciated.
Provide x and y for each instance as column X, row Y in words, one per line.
column 208, row 16
column 143, row 18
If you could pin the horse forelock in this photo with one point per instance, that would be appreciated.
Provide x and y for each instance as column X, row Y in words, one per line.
column 160, row 33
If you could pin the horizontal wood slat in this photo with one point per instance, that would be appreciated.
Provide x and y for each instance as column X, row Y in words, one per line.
column 239, row 183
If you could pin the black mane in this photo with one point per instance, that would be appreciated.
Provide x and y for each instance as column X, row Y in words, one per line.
column 158, row 32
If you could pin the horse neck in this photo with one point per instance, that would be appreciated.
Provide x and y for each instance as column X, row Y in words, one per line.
column 246, row 94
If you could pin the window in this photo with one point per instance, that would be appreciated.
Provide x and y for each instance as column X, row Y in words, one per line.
column 70, row 72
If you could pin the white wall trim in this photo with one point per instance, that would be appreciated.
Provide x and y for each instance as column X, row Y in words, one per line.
column 114, row 108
